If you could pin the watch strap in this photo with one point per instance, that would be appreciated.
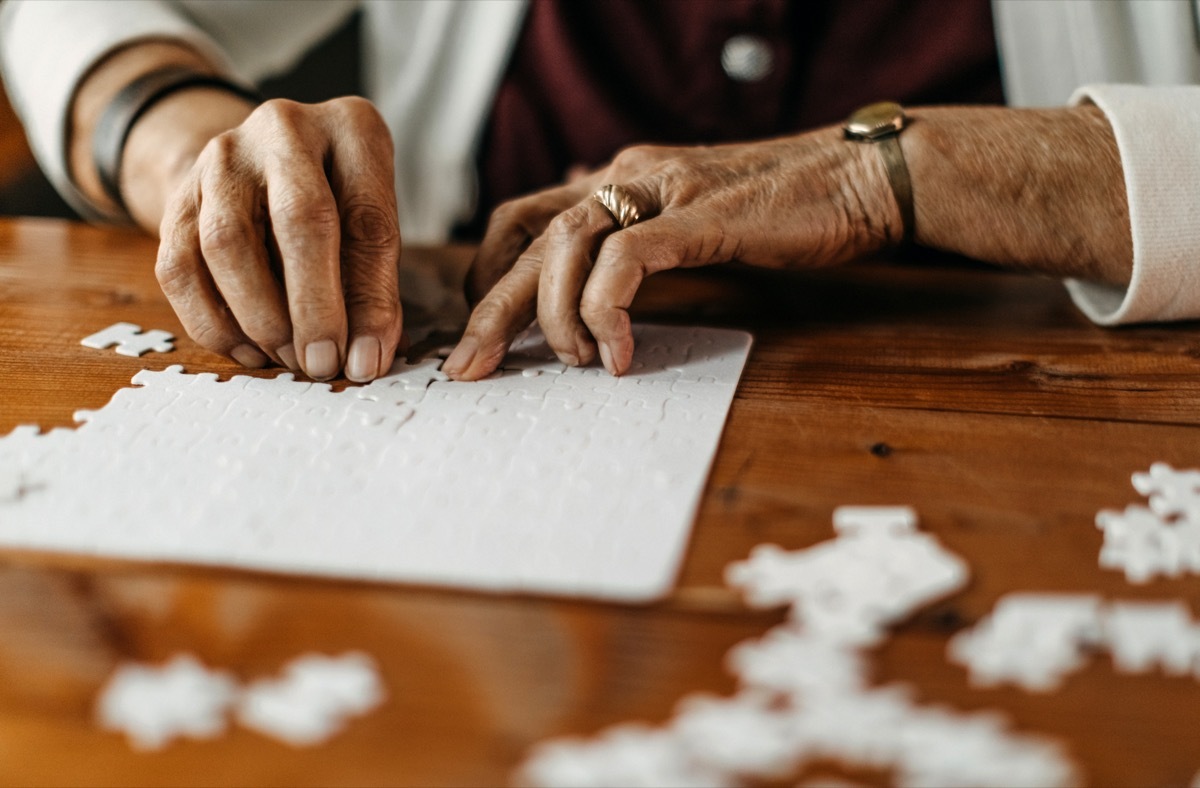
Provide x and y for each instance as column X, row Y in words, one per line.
column 880, row 124
column 131, row 103
column 898, row 177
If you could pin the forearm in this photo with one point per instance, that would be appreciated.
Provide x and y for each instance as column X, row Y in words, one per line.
column 1030, row 189
column 164, row 142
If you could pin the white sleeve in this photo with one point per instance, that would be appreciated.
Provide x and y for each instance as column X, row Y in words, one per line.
column 48, row 46
column 1156, row 130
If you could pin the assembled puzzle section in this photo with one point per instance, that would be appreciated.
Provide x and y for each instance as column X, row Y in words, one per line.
column 541, row 478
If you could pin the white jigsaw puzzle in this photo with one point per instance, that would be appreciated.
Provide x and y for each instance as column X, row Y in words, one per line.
column 804, row 693
column 568, row 482
column 313, row 699
column 1158, row 540
column 130, row 340
column 152, row 706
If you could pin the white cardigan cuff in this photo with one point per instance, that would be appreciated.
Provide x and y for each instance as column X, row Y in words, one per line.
column 42, row 76
column 1156, row 130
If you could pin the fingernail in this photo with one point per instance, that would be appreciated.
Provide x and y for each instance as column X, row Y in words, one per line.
column 363, row 364
column 249, row 356
column 570, row 359
column 321, row 359
column 606, row 357
column 288, row 354
column 462, row 356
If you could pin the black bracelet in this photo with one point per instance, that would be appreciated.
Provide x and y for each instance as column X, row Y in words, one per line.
column 112, row 131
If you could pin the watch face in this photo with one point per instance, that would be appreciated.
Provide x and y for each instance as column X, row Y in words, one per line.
column 876, row 120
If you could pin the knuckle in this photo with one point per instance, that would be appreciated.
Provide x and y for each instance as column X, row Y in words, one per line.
column 569, row 222
column 622, row 247
column 301, row 208
column 226, row 234
column 278, row 111
column 373, row 309
column 503, row 216
column 363, row 116
column 171, row 270
column 311, row 307
column 221, row 152
column 357, row 109
column 371, row 227
column 592, row 309
column 637, row 157
column 210, row 335
column 266, row 327
column 494, row 311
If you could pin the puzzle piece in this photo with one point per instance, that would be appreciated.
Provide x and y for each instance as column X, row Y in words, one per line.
column 313, row 699
column 1159, row 540
column 874, row 520
column 130, row 340
column 1143, row 636
column 628, row 755
column 735, row 735
column 1171, row 492
column 152, row 706
column 796, row 664
column 804, row 698
column 852, row 587
column 1032, row 640
column 1035, row 640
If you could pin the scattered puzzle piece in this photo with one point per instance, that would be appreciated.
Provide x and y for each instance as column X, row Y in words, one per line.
column 1035, row 640
column 307, row 705
column 152, row 706
column 313, row 699
column 803, row 694
column 130, row 340
column 1032, row 640
column 851, row 588
column 1159, row 540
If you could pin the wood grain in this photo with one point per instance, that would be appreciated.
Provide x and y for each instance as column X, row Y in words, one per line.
column 982, row 399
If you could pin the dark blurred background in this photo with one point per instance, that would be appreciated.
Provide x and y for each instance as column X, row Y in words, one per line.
column 330, row 70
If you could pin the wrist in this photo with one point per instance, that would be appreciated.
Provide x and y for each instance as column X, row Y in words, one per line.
column 165, row 142
column 1030, row 189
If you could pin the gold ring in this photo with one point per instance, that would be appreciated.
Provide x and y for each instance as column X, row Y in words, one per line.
column 619, row 204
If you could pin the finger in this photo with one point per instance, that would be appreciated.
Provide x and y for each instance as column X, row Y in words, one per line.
column 505, row 311
column 625, row 259
column 572, row 241
column 364, row 188
column 189, row 288
column 232, row 240
column 513, row 226
column 306, row 225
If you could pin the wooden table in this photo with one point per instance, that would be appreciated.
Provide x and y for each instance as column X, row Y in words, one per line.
column 982, row 399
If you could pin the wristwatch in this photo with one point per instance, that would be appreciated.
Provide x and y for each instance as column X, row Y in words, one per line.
column 880, row 124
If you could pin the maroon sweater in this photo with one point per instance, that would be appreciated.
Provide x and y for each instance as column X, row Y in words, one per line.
column 589, row 77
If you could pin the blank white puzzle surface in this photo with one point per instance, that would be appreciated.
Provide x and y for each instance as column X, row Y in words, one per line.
column 542, row 478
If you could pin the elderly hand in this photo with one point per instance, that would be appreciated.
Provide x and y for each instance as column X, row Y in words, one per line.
column 560, row 255
column 283, row 241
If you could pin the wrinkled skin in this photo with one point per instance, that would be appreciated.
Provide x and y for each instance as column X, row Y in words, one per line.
column 560, row 256
column 282, row 241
